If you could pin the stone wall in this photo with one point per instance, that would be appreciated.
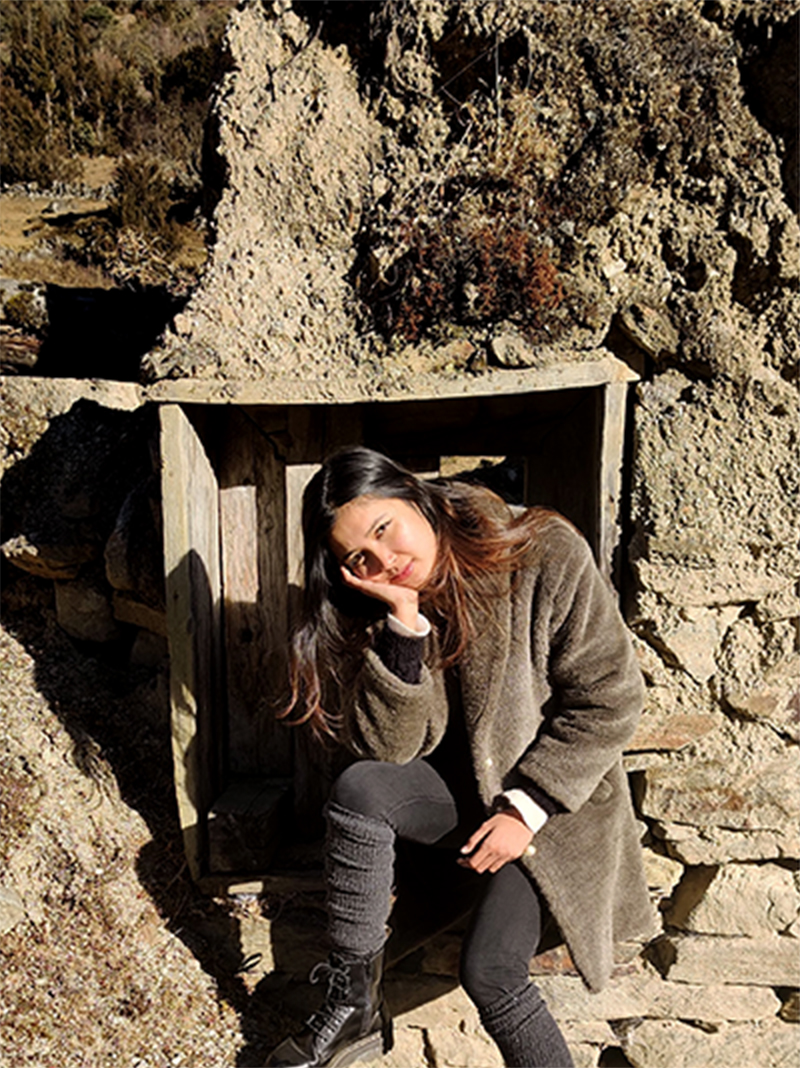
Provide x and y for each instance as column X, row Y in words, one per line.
column 82, row 507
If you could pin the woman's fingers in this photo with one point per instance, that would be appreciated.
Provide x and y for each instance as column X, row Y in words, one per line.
column 472, row 842
column 397, row 597
column 503, row 837
column 381, row 590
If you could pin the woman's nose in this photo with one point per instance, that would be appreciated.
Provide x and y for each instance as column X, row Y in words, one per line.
column 384, row 557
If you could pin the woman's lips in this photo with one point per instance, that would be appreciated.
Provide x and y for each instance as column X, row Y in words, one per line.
column 404, row 574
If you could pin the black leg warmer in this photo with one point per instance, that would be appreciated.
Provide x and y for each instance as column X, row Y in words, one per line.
column 359, row 868
column 525, row 1032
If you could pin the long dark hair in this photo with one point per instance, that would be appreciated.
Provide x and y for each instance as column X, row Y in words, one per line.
column 475, row 538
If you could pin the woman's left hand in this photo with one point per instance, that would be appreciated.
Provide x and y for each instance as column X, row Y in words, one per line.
column 503, row 837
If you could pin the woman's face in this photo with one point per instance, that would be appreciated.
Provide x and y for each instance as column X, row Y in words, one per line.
column 384, row 539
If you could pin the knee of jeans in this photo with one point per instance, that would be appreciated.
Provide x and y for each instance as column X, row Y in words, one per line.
column 486, row 978
column 357, row 790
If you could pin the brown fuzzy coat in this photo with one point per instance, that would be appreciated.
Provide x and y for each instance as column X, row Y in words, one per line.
column 551, row 693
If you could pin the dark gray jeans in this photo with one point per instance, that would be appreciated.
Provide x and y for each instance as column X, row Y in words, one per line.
column 414, row 800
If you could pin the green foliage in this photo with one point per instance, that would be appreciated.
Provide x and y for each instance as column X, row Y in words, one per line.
column 190, row 73
column 81, row 76
column 98, row 15
column 141, row 195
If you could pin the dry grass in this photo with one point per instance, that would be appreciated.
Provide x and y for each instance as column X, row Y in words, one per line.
column 31, row 243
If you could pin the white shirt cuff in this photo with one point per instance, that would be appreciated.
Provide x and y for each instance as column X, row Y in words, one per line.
column 422, row 631
column 533, row 815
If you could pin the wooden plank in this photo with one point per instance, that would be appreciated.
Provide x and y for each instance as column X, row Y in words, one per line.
column 252, row 532
column 308, row 787
column 191, row 561
column 315, row 765
column 128, row 609
column 612, row 443
column 297, row 478
column 395, row 385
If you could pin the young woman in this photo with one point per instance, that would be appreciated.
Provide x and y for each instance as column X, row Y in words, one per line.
column 477, row 664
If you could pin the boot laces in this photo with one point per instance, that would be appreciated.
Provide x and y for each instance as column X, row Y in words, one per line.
column 334, row 1009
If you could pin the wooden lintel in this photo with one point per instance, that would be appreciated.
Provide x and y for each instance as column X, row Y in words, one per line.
column 571, row 375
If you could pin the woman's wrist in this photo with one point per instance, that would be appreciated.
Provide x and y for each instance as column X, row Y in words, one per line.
column 421, row 628
column 406, row 612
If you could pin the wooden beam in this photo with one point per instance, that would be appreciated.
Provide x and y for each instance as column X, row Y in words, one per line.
column 191, row 562
column 612, row 442
column 396, row 385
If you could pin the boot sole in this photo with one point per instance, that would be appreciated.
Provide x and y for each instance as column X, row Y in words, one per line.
column 368, row 1048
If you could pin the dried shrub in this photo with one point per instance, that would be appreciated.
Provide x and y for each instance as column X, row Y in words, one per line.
column 141, row 199
column 25, row 312
column 469, row 245
column 471, row 273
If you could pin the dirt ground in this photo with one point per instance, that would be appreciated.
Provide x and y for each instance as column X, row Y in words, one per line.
column 100, row 969
column 32, row 228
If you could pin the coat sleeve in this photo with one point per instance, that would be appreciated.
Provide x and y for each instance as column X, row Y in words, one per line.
column 597, row 688
column 392, row 720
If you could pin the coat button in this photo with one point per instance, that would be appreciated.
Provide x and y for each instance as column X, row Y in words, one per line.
column 489, row 762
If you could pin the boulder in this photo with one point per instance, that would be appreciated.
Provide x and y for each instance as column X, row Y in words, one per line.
column 740, row 778
column 134, row 552
column 44, row 558
column 645, row 994
column 673, row 1044
column 760, row 673
column 738, row 899
column 719, row 524
column 128, row 609
column 717, row 845
column 662, row 872
column 512, row 349
column 84, row 609
column 650, row 329
column 710, row 959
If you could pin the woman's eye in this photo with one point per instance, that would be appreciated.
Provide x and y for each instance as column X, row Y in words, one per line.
column 382, row 528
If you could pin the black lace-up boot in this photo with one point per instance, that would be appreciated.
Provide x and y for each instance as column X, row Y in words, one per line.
column 353, row 1022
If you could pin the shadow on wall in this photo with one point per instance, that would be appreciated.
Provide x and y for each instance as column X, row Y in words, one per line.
column 115, row 712
column 103, row 333
column 61, row 508
column 768, row 67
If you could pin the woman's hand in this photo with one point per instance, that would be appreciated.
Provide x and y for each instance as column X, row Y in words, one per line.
column 403, row 601
column 503, row 837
